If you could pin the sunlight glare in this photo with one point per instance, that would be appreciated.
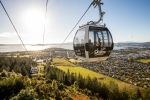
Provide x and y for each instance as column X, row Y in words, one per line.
column 34, row 19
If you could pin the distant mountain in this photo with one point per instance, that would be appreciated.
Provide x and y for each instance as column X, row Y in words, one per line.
column 131, row 43
column 69, row 43
column 9, row 44
column 127, row 42
column 147, row 42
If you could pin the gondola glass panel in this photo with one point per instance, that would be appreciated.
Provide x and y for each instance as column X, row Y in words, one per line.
column 105, row 36
column 110, row 40
column 79, row 43
column 99, row 37
column 100, row 43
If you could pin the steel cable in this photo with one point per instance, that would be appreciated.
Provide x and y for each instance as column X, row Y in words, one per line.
column 13, row 25
column 45, row 21
column 76, row 24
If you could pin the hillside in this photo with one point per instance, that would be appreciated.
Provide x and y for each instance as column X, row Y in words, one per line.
column 62, row 85
column 66, row 65
column 14, row 86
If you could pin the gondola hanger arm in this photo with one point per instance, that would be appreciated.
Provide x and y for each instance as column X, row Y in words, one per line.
column 97, row 3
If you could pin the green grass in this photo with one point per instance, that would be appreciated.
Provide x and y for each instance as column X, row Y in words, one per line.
column 73, row 60
column 85, row 72
column 65, row 65
column 143, row 60
column 41, row 70
column 62, row 62
column 19, row 56
column 40, row 67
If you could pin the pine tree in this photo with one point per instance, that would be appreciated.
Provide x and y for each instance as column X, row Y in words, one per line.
column 54, row 85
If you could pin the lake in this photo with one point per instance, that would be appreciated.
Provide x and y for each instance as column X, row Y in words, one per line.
column 12, row 48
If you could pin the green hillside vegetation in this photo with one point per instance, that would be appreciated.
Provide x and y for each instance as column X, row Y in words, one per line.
column 41, row 70
column 62, row 62
column 102, row 78
column 73, row 60
column 19, row 56
column 14, row 86
column 18, row 64
column 85, row 72
column 57, row 84
column 143, row 60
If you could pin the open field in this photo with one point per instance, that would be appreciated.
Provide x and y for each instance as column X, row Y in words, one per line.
column 41, row 70
column 85, row 72
column 65, row 65
column 143, row 60
column 73, row 60
column 40, row 67
column 62, row 62
column 19, row 56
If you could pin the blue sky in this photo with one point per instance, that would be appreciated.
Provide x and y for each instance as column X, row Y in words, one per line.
column 128, row 20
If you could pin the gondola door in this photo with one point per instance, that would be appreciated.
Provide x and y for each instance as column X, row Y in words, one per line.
column 79, row 43
column 100, row 43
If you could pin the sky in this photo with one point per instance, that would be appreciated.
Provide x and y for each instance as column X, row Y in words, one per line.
column 127, row 20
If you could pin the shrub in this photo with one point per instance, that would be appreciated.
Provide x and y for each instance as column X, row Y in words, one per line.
column 27, row 94
column 54, row 85
column 11, row 86
column 4, row 73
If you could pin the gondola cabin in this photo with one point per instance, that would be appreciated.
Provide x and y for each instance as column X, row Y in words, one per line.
column 93, row 43
column 34, row 70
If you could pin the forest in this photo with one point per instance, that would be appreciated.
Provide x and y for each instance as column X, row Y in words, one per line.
column 17, row 64
column 17, row 84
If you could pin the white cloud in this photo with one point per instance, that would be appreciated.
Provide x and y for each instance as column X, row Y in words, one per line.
column 6, row 34
column 13, row 34
column 70, row 40
column 21, row 34
column 130, row 36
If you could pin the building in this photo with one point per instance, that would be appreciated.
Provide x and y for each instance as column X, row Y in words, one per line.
column 34, row 70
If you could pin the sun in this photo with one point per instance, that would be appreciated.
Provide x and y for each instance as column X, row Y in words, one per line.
column 34, row 19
